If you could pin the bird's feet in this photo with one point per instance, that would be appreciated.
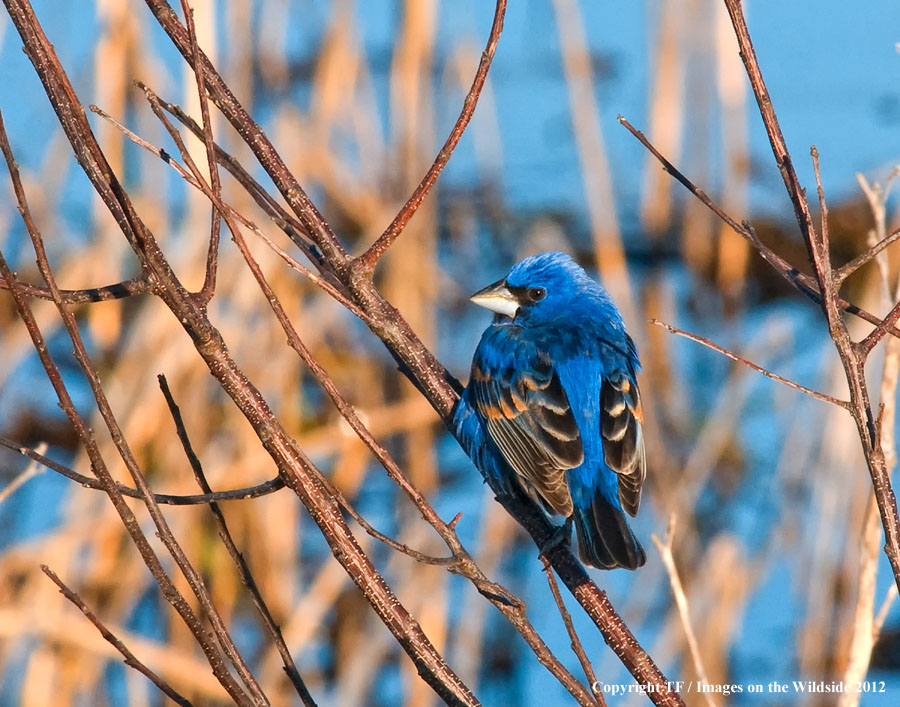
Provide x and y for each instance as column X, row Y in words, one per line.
column 560, row 535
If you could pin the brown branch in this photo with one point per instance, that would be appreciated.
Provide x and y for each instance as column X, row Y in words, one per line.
column 843, row 272
column 313, row 222
column 23, row 18
column 759, row 369
column 263, row 489
column 575, row 642
column 237, row 557
column 130, row 659
column 105, row 293
column 212, row 256
column 367, row 261
column 164, row 532
column 865, row 346
column 773, row 129
column 800, row 281
column 852, row 356
column 277, row 216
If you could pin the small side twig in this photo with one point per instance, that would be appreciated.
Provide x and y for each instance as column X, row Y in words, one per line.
column 33, row 469
column 212, row 256
column 366, row 262
column 769, row 374
column 577, row 647
column 263, row 489
column 104, row 293
column 278, row 216
column 237, row 557
column 802, row 282
column 130, row 659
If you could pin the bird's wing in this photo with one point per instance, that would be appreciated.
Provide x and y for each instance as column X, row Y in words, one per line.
column 623, row 439
column 527, row 415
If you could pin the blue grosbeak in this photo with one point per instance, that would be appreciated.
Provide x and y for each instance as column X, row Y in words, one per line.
column 553, row 403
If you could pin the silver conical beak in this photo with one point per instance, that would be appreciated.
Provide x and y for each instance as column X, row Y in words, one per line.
column 497, row 298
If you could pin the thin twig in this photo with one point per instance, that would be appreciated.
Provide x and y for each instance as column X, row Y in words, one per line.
column 263, row 489
column 105, row 293
column 295, row 230
column 237, row 557
column 29, row 472
column 366, row 262
column 313, row 222
column 769, row 374
column 188, row 177
column 39, row 52
column 574, row 640
column 843, row 272
column 130, row 659
column 212, row 256
column 802, row 282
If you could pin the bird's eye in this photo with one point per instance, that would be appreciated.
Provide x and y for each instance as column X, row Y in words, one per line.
column 536, row 293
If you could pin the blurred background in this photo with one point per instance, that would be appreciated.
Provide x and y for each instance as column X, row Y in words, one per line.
column 768, row 486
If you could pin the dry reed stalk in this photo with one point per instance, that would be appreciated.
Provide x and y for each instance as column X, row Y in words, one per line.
column 697, row 227
column 666, row 115
column 598, row 189
column 681, row 603
column 733, row 252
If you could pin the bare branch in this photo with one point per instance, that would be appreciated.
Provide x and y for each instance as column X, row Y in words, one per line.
column 577, row 648
column 39, row 52
column 769, row 374
column 105, row 293
column 212, row 256
column 130, row 659
column 366, row 262
column 240, row 494
column 188, row 177
column 800, row 281
column 225, row 535
column 843, row 272
column 313, row 222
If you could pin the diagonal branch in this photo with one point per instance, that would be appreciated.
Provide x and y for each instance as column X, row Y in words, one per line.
column 256, row 139
column 225, row 535
column 85, row 434
column 212, row 256
column 367, row 261
column 769, row 374
column 800, row 281
column 130, row 660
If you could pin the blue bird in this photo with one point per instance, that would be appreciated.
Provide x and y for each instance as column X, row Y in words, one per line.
column 553, row 403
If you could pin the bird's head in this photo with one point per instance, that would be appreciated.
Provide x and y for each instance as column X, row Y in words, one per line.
column 539, row 288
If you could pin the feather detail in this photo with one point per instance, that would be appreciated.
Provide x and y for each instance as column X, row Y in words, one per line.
column 623, row 439
column 527, row 415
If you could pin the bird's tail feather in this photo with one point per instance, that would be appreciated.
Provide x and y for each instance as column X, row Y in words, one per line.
column 604, row 538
